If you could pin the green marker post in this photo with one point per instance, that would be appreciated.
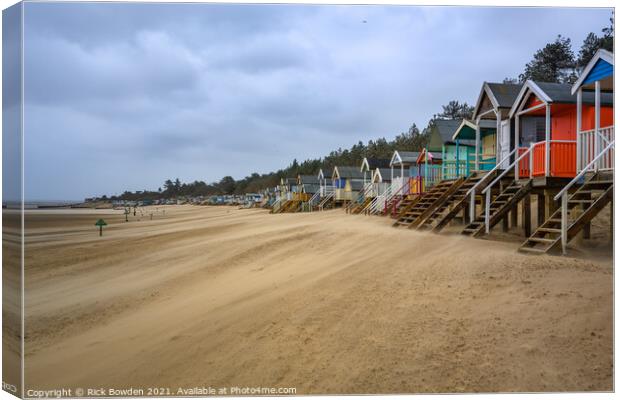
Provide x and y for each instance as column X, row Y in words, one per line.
column 100, row 223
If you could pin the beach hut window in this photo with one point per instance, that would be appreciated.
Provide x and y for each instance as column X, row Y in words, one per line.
column 533, row 130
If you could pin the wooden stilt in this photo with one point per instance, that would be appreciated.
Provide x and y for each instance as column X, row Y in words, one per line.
column 505, row 220
column 514, row 215
column 611, row 221
column 540, row 209
column 586, row 227
column 550, row 204
column 505, row 223
column 526, row 215
column 465, row 215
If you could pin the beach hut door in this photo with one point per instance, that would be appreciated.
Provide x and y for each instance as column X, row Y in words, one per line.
column 505, row 143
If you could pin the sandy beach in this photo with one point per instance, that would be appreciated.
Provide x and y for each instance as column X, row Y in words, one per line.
column 321, row 302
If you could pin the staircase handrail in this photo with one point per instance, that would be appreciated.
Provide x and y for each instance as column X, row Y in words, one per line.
column 314, row 197
column 373, row 204
column 360, row 197
column 564, row 193
column 472, row 192
column 327, row 197
column 399, row 190
column 497, row 166
column 583, row 171
column 490, row 185
column 487, row 190
column 386, row 196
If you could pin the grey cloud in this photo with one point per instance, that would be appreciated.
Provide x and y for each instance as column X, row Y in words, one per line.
column 122, row 96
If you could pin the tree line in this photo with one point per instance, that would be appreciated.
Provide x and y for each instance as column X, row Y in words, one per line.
column 555, row 62
column 411, row 140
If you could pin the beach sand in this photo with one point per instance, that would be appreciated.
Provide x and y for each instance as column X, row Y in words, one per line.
column 325, row 302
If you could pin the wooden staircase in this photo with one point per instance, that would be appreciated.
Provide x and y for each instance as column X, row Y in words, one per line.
column 327, row 201
column 585, row 203
column 406, row 204
column 457, row 202
column 391, row 208
column 461, row 187
column 427, row 203
column 292, row 206
column 499, row 207
column 278, row 206
column 360, row 206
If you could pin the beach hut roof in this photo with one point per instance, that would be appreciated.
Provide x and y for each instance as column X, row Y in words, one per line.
column 442, row 131
column 308, row 179
column 432, row 156
column 446, row 128
column 551, row 92
column 345, row 172
column 500, row 95
column 310, row 187
column 383, row 174
column 404, row 157
column 467, row 129
column 369, row 164
column 600, row 68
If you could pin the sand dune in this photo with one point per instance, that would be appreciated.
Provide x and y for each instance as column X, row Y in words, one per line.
column 323, row 302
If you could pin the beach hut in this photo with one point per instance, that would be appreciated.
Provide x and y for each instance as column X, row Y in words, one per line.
column 403, row 169
column 590, row 124
column 546, row 124
column 445, row 177
column 309, row 190
column 483, row 133
column 325, row 182
column 380, row 183
column 492, row 115
column 308, row 184
column 471, row 152
column 381, row 179
column 369, row 165
column 595, row 128
column 287, row 191
column 546, row 129
column 457, row 157
column 324, row 198
column 389, row 196
column 347, row 182
column 427, row 171
column 366, row 192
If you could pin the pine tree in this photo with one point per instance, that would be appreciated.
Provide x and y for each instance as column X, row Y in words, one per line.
column 553, row 63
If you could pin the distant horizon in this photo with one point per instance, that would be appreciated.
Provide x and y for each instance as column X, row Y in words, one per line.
column 122, row 96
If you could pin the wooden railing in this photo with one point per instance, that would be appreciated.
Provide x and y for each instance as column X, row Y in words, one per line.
column 453, row 169
column 562, row 159
column 432, row 175
column 300, row 196
column 487, row 190
column 416, row 184
column 563, row 194
column 329, row 195
column 478, row 186
column 587, row 145
column 398, row 192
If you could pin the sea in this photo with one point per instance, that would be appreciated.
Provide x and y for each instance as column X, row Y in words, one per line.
column 30, row 205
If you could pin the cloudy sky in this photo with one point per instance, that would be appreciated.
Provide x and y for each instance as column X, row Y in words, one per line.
column 124, row 96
